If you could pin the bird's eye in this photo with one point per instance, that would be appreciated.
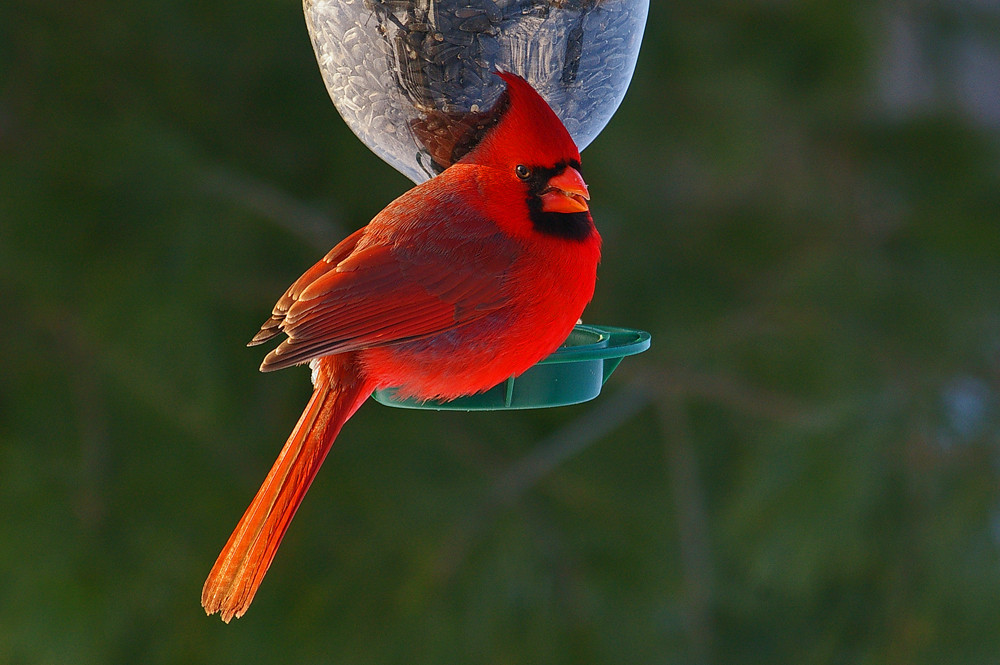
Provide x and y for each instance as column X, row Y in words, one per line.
column 522, row 171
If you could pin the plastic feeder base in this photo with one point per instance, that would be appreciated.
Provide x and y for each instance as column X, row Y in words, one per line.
column 573, row 374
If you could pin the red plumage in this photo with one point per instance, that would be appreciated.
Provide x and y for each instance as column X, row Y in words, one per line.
column 461, row 282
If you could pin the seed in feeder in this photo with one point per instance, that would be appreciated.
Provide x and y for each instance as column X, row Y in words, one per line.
column 477, row 23
column 460, row 38
column 492, row 11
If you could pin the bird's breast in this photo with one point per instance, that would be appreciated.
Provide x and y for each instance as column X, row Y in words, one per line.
column 547, row 295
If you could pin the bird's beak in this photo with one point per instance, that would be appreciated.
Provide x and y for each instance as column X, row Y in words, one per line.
column 566, row 192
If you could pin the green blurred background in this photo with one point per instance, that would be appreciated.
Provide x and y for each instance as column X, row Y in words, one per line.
column 800, row 201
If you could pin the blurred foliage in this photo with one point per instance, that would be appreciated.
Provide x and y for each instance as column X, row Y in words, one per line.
column 799, row 200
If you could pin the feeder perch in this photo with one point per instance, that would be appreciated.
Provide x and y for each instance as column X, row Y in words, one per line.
column 574, row 373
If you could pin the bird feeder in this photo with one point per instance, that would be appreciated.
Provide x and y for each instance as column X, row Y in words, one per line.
column 414, row 80
column 574, row 373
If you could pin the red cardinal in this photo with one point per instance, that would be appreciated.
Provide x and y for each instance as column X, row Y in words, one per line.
column 460, row 283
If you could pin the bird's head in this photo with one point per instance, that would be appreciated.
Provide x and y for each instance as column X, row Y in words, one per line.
column 534, row 153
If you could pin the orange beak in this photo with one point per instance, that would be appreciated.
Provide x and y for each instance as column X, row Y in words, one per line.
column 566, row 192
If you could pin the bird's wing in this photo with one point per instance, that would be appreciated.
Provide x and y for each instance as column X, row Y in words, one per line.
column 378, row 287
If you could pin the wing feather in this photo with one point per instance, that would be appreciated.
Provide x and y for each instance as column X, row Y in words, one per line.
column 383, row 285
column 273, row 326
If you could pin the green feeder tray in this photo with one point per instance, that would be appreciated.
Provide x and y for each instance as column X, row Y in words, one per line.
column 573, row 374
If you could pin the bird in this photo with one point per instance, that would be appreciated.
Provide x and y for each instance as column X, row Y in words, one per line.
column 463, row 281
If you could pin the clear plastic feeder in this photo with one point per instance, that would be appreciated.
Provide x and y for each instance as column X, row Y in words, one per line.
column 410, row 76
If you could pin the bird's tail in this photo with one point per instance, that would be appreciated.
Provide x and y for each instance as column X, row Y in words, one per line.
column 339, row 392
